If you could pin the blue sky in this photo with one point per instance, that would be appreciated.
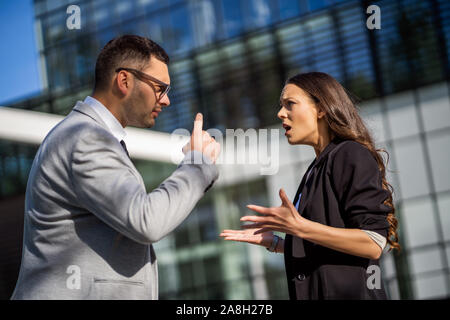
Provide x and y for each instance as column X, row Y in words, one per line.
column 18, row 53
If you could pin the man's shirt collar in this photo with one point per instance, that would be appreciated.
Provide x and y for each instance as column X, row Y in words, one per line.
column 113, row 124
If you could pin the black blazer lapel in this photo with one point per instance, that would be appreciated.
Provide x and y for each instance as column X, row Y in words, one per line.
column 298, row 250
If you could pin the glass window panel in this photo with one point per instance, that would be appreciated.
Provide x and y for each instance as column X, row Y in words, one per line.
column 435, row 106
column 57, row 70
column 258, row 13
column 447, row 250
column 419, row 222
column 54, row 4
column 373, row 117
column 235, row 55
column 306, row 153
column 85, row 57
column 43, row 107
column 153, row 28
column 168, row 277
column 181, row 34
column 411, row 174
column 126, row 10
column 186, row 274
column 207, row 224
column 184, row 235
column 443, row 201
column 105, row 36
column 402, row 115
column 39, row 7
column 286, row 178
column 393, row 291
column 388, row 265
column 317, row 4
column 288, row 9
column 104, row 13
column 425, row 260
column 204, row 22
column 64, row 105
column 54, row 28
column 232, row 17
column 439, row 147
column 150, row 5
column 430, row 287
column 213, row 269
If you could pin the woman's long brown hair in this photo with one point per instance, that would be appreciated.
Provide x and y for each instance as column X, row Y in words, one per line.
column 344, row 122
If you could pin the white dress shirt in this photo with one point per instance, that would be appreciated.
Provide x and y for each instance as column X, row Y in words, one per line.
column 108, row 118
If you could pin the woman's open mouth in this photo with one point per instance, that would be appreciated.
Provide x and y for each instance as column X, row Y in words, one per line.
column 287, row 128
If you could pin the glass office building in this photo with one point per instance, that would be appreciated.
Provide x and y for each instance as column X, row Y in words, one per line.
column 229, row 60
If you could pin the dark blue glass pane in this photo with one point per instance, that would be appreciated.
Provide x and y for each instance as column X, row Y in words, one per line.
column 317, row 4
column 150, row 5
column 232, row 15
column 181, row 32
column 203, row 17
column 288, row 9
column 257, row 13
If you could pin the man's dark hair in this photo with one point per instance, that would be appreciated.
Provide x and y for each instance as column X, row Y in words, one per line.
column 125, row 51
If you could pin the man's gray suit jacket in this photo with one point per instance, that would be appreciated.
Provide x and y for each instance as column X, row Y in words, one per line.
column 89, row 222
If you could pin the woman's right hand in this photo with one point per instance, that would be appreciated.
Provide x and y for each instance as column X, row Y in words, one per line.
column 259, row 236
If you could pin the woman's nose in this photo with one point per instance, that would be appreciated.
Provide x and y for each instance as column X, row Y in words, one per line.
column 282, row 113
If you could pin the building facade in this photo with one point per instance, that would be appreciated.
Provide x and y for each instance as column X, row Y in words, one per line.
column 229, row 60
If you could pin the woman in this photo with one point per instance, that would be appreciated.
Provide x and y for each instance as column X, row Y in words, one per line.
column 343, row 213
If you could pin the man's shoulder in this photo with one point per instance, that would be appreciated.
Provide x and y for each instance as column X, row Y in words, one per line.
column 77, row 125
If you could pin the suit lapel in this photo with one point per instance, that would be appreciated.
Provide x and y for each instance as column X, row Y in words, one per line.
column 298, row 248
column 88, row 111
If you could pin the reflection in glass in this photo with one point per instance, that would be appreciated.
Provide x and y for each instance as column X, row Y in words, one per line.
column 288, row 9
column 232, row 17
column 204, row 19
column 181, row 38
column 258, row 13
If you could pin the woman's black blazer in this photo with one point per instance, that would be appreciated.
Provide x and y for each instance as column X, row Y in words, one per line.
column 344, row 190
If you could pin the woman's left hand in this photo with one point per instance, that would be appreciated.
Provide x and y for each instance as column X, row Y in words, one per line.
column 284, row 218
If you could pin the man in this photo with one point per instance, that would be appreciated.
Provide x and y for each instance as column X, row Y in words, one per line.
column 89, row 222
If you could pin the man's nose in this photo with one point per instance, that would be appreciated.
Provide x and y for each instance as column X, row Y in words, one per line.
column 165, row 101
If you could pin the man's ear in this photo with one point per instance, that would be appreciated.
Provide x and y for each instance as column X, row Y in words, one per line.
column 123, row 81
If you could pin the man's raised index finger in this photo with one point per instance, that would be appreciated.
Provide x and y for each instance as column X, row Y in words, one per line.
column 198, row 123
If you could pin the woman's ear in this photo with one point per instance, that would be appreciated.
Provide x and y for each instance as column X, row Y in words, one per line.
column 320, row 113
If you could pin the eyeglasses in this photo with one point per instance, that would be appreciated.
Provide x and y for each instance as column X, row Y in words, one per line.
column 163, row 87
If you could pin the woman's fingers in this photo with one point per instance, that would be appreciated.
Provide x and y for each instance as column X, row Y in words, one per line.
column 259, row 209
column 255, row 219
column 259, row 236
column 240, row 235
column 285, row 200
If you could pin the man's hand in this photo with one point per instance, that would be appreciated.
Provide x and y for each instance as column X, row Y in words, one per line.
column 202, row 141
